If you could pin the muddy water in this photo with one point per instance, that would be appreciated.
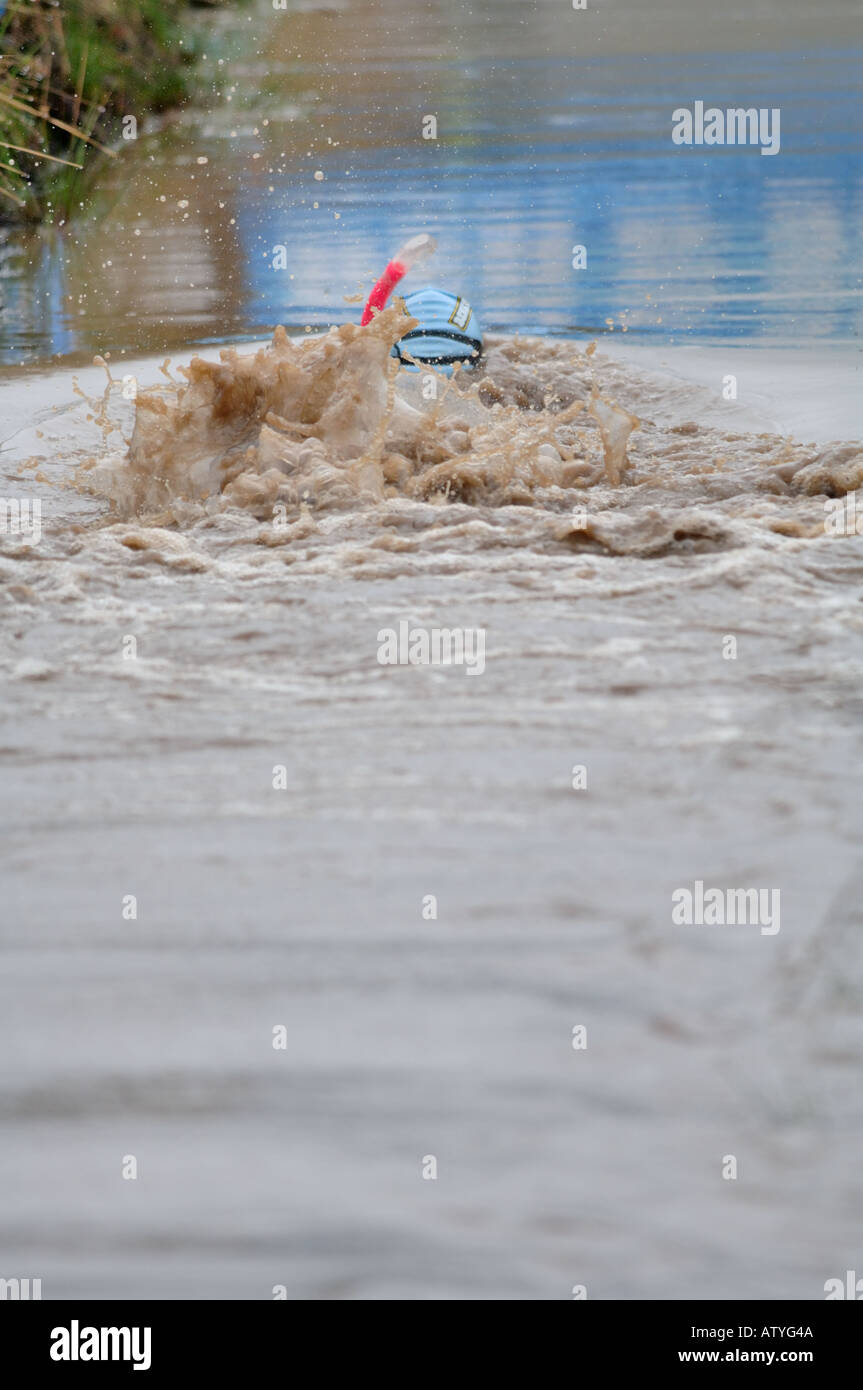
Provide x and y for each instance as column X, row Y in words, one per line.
column 201, row 618
column 162, row 665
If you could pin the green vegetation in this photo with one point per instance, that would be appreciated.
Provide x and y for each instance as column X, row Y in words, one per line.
column 68, row 70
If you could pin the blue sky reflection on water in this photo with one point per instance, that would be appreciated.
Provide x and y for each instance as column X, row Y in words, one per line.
column 711, row 243
column 535, row 155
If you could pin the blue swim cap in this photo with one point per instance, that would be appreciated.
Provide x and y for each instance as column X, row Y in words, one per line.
column 447, row 331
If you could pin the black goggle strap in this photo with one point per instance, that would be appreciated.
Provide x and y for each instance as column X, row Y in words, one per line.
column 416, row 333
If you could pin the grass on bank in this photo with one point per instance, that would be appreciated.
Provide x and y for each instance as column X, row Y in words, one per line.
column 68, row 70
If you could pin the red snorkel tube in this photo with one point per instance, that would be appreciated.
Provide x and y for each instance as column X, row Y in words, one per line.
column 407, row 256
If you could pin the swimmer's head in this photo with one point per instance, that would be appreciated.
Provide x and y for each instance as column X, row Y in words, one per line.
column 447, row 333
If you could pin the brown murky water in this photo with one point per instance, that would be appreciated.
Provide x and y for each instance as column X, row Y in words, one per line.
column 196, row 716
